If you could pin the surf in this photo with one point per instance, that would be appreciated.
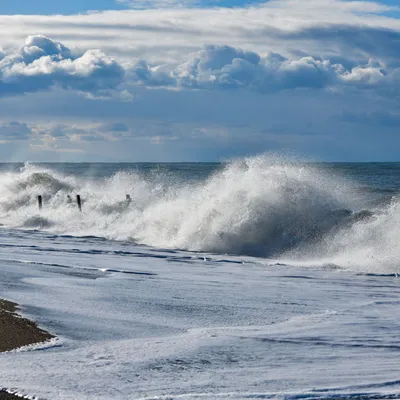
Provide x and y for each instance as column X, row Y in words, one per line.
column 265, row 206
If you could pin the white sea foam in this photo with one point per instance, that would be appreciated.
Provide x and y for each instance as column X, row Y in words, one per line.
column 261, row 206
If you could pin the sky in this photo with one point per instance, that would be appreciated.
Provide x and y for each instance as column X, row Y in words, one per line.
column 196, row 80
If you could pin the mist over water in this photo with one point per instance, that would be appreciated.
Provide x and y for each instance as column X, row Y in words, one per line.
column 263, row 206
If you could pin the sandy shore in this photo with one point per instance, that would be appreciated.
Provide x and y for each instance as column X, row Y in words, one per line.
column 15, row 332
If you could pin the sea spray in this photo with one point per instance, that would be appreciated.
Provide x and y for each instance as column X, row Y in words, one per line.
column 262, row 206
column 369, row 244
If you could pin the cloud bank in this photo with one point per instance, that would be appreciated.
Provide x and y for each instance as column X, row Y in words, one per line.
column 224, row 67
column 350, row 28
column 42, row 64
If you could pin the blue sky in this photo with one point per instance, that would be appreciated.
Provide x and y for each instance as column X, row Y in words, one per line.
column 78, row 6
column 199, row 83
column 44, row 7
column 57, row 7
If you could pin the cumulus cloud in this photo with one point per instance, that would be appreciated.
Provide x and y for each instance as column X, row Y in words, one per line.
column 41, row 64
column 225, row 67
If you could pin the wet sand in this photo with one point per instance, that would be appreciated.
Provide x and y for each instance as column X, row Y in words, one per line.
column 15, row 332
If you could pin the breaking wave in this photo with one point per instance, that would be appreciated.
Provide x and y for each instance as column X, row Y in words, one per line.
column 262, row 206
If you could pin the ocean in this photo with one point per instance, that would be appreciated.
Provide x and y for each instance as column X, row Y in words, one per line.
column 260, row 278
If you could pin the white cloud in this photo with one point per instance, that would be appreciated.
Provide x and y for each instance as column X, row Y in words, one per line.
column 316, row 27
column 224, row 67
column 42, row 64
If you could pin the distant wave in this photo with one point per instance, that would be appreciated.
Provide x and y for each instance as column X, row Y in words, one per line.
column 262, row 206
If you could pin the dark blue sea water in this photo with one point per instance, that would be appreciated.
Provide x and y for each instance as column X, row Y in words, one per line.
column 378, row 175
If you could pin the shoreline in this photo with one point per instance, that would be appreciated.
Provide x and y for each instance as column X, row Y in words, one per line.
column 16, row 332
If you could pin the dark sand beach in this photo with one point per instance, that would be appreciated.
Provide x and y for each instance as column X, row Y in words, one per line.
column 15, row 332
column 8, row 396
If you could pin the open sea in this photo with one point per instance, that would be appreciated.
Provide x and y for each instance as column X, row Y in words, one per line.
column 261, row 278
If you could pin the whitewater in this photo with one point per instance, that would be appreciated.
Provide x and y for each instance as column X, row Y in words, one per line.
column 264, row 277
